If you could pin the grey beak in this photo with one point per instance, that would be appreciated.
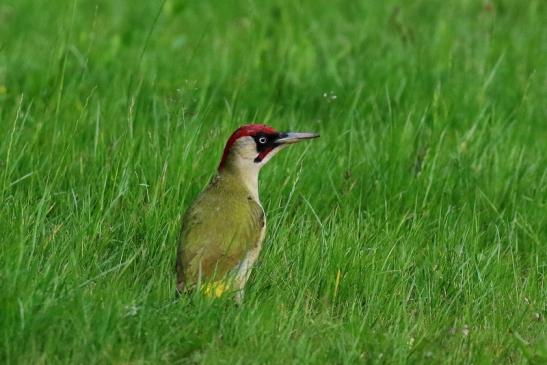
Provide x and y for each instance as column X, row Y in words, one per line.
column 295, row 137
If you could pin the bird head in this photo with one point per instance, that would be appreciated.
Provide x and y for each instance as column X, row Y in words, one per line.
column 252, row 145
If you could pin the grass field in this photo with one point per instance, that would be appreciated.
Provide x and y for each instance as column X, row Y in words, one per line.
column 413, row 231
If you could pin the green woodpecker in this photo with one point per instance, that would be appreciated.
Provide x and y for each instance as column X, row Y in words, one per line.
column 223, row 230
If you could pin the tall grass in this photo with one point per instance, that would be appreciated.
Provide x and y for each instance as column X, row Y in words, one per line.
column 413, row 231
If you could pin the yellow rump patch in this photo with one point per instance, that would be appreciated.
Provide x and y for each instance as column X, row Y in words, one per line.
column 215, row 289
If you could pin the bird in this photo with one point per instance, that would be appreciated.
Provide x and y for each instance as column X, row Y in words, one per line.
column 222, row 231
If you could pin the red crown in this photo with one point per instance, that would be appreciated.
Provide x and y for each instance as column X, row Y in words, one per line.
column 244, row 131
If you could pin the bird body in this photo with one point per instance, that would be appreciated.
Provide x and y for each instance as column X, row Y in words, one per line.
column 222, row 231
column 223, row 225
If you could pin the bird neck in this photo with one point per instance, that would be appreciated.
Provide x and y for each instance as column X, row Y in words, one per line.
column 244, row 174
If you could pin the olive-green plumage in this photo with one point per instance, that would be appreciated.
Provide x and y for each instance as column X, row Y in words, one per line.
column 218, row 230
column 223, row 230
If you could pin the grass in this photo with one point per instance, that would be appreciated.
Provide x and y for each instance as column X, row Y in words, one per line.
column 413, row 231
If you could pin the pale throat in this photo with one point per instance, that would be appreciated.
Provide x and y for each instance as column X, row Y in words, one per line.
column 249, row 177
column 246, row 173
column 241, row 163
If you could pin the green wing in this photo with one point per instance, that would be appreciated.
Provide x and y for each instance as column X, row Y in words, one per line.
column 217, row 231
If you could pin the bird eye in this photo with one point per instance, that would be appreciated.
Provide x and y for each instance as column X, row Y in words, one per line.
column 262, row 140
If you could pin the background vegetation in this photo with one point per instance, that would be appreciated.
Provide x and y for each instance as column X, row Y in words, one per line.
column 413, row 231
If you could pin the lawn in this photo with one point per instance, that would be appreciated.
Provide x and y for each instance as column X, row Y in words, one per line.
column 414, row 231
